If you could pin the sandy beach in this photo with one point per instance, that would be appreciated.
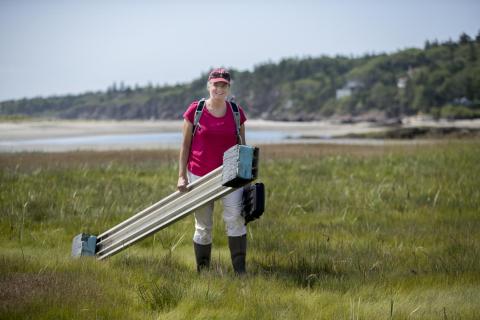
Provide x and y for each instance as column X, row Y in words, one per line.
column 29, row 130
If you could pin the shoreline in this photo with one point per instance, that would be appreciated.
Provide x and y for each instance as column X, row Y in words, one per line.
column 43, row 135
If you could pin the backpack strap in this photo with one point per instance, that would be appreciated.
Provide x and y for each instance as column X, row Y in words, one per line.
column 198, row 114
column 236, row 116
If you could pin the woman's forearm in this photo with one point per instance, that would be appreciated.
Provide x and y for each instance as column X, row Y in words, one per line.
column 185, row 149
column 182, row 161
column 242, row 134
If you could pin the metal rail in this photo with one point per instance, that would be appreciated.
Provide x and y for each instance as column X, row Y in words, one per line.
column 162, row 214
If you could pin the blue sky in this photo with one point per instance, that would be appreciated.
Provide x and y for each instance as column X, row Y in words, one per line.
column 55, row 47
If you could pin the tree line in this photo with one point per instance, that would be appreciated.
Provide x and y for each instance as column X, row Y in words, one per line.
column 442, row 80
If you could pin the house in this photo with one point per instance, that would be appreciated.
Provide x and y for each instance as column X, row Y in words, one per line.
column 402, row 82
column 348, row 89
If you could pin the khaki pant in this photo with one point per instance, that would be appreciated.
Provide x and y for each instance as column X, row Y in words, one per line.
column 234, row 222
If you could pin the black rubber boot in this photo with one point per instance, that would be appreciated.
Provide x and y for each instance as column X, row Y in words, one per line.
column 238, row 252
column 202, row 255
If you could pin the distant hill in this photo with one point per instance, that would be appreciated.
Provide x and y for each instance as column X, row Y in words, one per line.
column 442, row 80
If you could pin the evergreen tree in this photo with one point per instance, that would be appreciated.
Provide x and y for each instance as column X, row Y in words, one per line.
column 465, row 38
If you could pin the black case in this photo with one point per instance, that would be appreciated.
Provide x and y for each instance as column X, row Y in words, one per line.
column 253, row 202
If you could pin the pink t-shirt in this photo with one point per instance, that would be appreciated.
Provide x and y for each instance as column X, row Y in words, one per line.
column 213, row 137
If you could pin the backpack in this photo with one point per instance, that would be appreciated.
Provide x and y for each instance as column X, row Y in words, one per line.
column 236, row 116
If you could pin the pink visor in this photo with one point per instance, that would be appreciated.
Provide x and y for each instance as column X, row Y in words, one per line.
column 219, row 75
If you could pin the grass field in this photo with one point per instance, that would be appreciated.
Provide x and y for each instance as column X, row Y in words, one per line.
column 348, row 233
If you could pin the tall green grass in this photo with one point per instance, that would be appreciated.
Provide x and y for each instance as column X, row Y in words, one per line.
column 347, row 234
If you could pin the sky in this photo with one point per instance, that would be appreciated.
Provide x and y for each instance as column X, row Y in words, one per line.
column 57, row 47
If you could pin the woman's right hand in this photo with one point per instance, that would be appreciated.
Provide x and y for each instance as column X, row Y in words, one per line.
column 182, row 184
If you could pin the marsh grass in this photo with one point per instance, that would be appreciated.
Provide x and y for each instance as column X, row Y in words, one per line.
column 348, row 233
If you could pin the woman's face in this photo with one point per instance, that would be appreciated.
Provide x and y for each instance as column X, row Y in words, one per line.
column 218, row 90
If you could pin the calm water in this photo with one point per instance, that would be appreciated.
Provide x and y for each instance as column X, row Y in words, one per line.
column 125, row 141
column 170, row 140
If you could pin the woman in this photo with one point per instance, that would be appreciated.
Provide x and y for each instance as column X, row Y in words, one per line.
column 201, row 152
